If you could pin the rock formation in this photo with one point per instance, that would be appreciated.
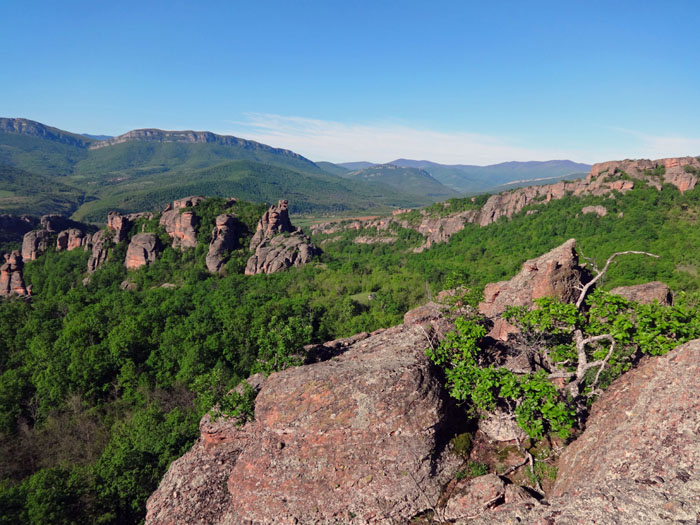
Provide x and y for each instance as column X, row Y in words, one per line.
column 70, row 239
column 600, row 211
column 56, row 223
column 277, row 244
column 34, row 244
column 359, row 435
column 554, row 274
column 119, row 224
column 143, row 250
column 638, row 461
column 224, row 238
column 646, row 293
column 603, row 179
column 98, row 244
column 187, row 202
column 11, row 280
column 182, row 227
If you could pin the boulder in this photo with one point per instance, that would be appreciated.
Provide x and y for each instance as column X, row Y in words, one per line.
column 143, row 250
column 638, row 461
column 70, row 239
column 554, row 274
column 362, row 436
column 35, row 244
column 472, row 497
column 11, row 280
column 224, row 238
column 646, row 293
column 98, row 244
column 181, row 226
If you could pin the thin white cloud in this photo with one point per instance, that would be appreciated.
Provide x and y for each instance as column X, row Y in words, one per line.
column 657, row 147
column 386, row 141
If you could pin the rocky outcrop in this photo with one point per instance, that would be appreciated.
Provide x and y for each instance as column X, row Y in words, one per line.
column 277, row 244
column 281, row 252
column 119, row 224
column 143, row 250
column 56, row 223
column 554, row 274
column 604, row 179
column 472, row 497
column 356, row 438
column 70, row 239
column 600, row 211
column 187, row 202
column 181, row 226
column 273, row 222
column 11, row 280
column 98, row 244
column 35, row 244
column 224, row 238
column 638, row 461
column 646, row 293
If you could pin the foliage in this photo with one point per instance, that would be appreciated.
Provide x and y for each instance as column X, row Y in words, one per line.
column 473, row 469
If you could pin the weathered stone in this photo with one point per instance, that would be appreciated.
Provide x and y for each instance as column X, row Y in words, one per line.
column 11, row 279
column 55, row 223
column 645, row 293
column 554, row 274
column 274, row 221
column 473, row 497
column 498, row 426
column 638, row 461
column 119, row 224
column 277, row 244
column 70, row 239
column 98, row 244
column 224, row 238
column 281, row 252
column 181, row 226
column 143, row 249
column 35, row 244
column 358, row 435
column 188, row 202
column 600, row 211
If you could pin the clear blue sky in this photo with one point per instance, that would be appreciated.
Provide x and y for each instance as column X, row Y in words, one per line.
column 470, row 82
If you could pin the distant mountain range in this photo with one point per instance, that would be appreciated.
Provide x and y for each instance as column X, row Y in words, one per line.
column 44, row 169
column 466, row 178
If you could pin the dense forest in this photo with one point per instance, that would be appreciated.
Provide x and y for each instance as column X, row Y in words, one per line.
column 101, row 388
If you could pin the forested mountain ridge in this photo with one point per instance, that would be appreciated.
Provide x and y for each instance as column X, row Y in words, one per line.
column 145, row 169
column 102, row 387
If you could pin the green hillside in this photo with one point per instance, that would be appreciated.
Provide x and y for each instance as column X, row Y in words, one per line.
column 23, row 192
column 407, row 180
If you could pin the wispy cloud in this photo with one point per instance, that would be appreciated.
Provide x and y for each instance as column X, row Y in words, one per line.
column 658, row 146
column 386, row 141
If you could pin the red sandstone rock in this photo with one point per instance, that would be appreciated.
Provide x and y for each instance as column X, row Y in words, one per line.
column 224, row 238
column 34, row 244
column 638, row 461
column 188, row 202
column 472, row 497
column 143, row 249
column 119, row 224
column 645, row 293
column 181, row 226
column 70, row 240
column 600, row 211
column 11, row 281
column 357, row 435
column 277, row 244
column 98, row 244
column 554, row 274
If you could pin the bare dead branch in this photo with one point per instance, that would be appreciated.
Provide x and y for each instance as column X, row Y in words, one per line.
column 600, row 273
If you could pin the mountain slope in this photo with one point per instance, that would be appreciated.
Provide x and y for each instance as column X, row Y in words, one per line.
column 408, row 180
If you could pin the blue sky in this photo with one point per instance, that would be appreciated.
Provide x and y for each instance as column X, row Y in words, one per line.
column 455, row 82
